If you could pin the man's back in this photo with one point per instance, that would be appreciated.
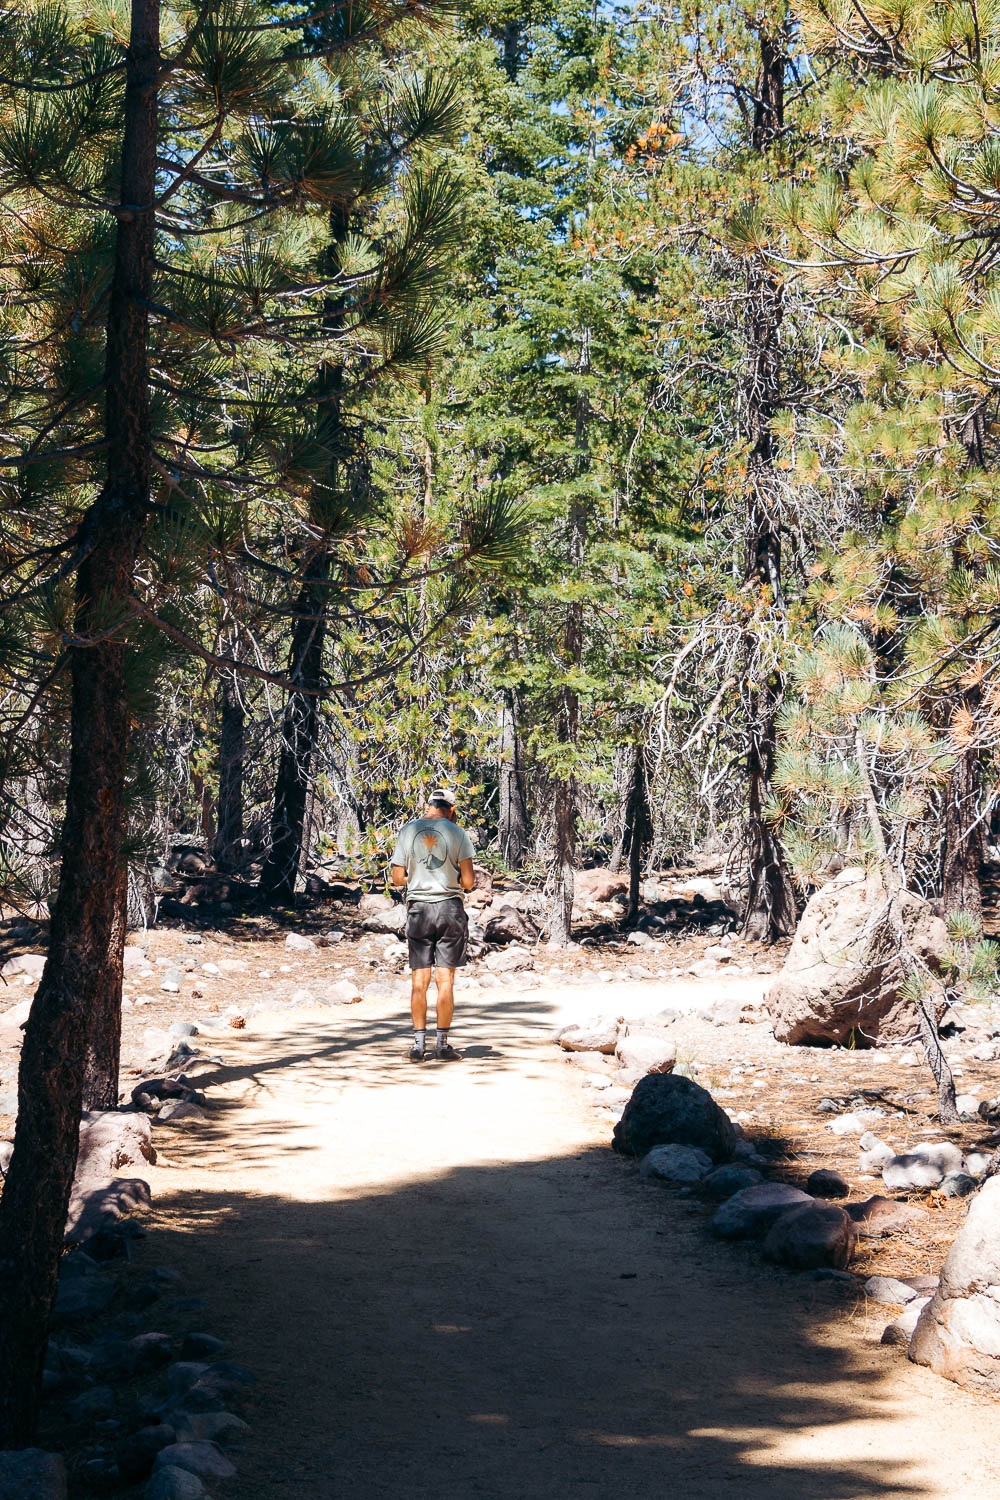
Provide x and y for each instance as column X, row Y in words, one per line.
column 431, row 851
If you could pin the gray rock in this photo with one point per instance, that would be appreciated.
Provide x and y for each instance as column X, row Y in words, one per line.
column 81, row 1297
column 92, row 1405
column 826, row 1183
column 510, row 960
column 156, row 1044
column 176, row 1111
column 508, row 925
column 199, row 1457
column 184, row 1028
column 642, row 1052
column 94, row 1206
column 676, row 1164
column 8, row 1106
column 874, row 1153
column 957, row 1185
column 669, row 1109
column 299, row 943
column 812, row 1235
column 958, row 1334
column 640, row 939
column 214, row 1426
column 925, row 1166
column 183, row 1373
column 753, row 1210
column 342, row 992
column 900, row 1330
column 879, row 1217
column 148, row 1351
column 24, row 963
column 32, row 1474
column 112, row 1139
column 600, row 1035
column 726, row 1181
column 391, row 920
column 888, row 1290
column 173, row 1483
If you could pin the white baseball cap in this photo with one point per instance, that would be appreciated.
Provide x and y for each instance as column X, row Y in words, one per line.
column 442, row 794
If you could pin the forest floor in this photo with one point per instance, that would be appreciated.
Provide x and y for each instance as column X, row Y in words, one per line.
column 448, row 1285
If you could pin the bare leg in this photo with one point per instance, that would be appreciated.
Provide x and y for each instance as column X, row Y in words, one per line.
column 419, row 982
column 445, row 980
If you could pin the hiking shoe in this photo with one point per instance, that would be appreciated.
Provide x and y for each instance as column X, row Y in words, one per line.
column 447, row 1054
column 417, row 1054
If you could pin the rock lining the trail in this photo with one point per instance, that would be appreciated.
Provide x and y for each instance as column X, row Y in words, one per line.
column 958, row 1333
column 670, row 1109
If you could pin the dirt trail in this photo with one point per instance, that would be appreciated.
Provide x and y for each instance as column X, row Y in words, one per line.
column 448, row 1286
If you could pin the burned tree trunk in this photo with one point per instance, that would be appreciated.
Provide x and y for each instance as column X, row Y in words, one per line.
column 83, row 972
column 232, row 748
column 638, row 831
column 515, row 828
column 299, row 735
column 964, row 835
column 770, row 909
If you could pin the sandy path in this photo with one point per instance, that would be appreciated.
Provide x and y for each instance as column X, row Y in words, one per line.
column 448, row 1286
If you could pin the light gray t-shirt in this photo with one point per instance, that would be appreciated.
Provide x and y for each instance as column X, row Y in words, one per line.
column 431, row 850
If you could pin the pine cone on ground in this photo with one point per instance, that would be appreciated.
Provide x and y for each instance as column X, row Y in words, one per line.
column 237, row 1022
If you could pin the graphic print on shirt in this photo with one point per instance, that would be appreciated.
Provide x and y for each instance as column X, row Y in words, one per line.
column 436, row 851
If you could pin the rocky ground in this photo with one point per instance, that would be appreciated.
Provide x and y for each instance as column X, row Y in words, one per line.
column 196, row 989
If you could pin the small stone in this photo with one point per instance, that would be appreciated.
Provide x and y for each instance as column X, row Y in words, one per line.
column 92, row 1405
column 888, row 1290
column 676, row 1164
column 967, row 1104
column 957, row 1185
column 173, row 1483
column 902, row 1329
column 642, row 1052
column 82, row 1297
column 299, row 943
column 177, row 1110
column 874, row 1153
column 640, row 939
column 342, row 992
column 924, row 1167
column 148, row 1351
column 878, row 1217
column 512, row 960
column 814, row 1234
column 725, row 1181
column 215, row 1426
column 184, row 1028
column 826, row 1183
column 600, row 1035
column 182, row 1375
column 976, row 1162
column 171, row 982
column 987, row 1052
column 199, row 1457
column 32, row 1474
column 828, row 1107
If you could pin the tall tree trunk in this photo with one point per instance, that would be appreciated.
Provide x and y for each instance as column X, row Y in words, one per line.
column 515, row 827
column 232, row 748
column 770, row 906
column 83, row 973
column 638, row 831
column 964, row 833
column 299, row 736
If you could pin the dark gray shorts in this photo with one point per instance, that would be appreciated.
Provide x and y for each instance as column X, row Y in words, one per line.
column 437, row 933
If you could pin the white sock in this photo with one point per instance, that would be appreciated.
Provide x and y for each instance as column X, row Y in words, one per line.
column 441, row 1040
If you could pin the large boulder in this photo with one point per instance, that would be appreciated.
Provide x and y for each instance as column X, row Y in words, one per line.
column 508, row 925
column 669, row 1109
column 599, row 885
column 833, row 987
column 31, row 1474
column 958, row 1334
column 112, row 1139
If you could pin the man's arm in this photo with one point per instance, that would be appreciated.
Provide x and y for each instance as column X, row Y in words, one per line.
column 399, row 874
column 467, row 873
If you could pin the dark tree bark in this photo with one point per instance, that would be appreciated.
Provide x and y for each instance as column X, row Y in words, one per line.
column 964, row 832
column 83, row 971
column 299, row 735
column 515, row 826
column 770, row 906
column 232, row 748
column 638, row 831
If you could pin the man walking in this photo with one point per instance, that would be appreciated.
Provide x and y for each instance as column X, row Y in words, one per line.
column 433, row 859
